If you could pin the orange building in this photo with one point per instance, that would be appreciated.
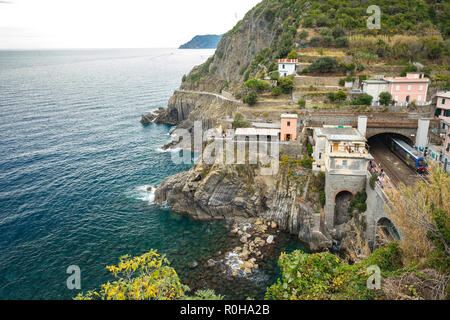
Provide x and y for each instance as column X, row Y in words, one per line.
column 288, row 127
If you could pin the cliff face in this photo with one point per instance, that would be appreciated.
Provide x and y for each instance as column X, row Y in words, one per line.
column 217, row 192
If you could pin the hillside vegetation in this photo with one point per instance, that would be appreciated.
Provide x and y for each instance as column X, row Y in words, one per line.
column 414, row 29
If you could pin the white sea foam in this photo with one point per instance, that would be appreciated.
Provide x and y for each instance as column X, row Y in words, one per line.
column 145, row 194
column 160, row 150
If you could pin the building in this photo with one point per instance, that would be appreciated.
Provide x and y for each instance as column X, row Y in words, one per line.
column 443, row 106
column 256, row 134
column 289, row 128
column 344, row 142
column 287, row 67
column 374, row 88
column 341, row 153
column 412, row 88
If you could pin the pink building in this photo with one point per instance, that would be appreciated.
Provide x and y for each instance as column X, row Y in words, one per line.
column 443, row 105
column 447, row 140
column 288, row 127
column 413, row 87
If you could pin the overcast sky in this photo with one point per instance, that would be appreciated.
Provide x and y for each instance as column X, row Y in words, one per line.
column 28, row 24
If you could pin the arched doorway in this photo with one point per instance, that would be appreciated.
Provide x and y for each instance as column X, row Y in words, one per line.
column 341, row 206
column 386, row 231
column 407, row 99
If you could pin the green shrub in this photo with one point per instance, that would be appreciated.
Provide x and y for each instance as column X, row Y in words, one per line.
column 251, row 98
column 276, row 91
column 303, row 34
column 324, row 65
column 338, row 32
column 239, row 121
column 318, row 276
column 385, row 98
column 358, row 202
column 322, row 198
column 363, row 99
column 301, row 103
column 340, row 96
column 256, row 84
column 286, row 84
column 341, row 42
column 292, row 55
column 388, row 258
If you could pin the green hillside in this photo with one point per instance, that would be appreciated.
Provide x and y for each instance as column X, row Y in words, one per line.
column 410, row 30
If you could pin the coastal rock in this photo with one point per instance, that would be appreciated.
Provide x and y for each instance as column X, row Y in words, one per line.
column 221, row 192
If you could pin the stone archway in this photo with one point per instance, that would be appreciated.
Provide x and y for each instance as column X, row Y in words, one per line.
column 386, row 231
column 342, row 202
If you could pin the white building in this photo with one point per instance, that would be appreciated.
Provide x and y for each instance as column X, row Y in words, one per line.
column 374, row 88
column 287, row 67
column 341, row 149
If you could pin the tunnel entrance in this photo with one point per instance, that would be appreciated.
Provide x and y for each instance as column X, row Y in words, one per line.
column 341, row 207
column 396, row 166
column 386, row 232
column 384, row 138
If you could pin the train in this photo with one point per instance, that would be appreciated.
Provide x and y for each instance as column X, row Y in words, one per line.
column 408, row 154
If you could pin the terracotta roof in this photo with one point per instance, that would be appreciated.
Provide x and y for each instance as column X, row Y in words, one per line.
column 287, row 60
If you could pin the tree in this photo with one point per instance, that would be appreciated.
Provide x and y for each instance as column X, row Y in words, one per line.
column 340, row 96
column 338, row 32
column 385, row 98
column 239, row 121
column 147, row 277
column 363, row 99
column 324, row 65
column 286, row 84
column 292, row 55
column 301, row 103
column 256, row 84
column 276, row 91
column 303, row 34
column 251, row 98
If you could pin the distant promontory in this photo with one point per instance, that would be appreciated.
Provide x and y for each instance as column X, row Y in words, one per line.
column 208, row 41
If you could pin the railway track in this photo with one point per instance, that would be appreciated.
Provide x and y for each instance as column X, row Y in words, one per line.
column 393, row 166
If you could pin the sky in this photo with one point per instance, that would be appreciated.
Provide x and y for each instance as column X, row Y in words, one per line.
column 52, row 24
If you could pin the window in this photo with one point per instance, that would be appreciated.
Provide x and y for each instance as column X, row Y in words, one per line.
column 419, row 98
column 397, row 88
column 396, row 98
column 409, row 87
column 344, row 163
column 421, row 76
column 421, row 87
column 443, row 101
column 288, row 123
column 320, row 155
column 284, row 67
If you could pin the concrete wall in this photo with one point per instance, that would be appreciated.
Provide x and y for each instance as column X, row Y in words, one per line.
column 334, row 183
column 375, row 211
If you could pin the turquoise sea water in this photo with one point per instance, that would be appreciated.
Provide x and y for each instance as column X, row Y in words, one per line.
column 74, row 166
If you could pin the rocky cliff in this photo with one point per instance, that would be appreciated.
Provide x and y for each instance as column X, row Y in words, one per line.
column 238, row 191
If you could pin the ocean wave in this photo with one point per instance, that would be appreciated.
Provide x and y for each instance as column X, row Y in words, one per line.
column 145, row 193
column 160, row 150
